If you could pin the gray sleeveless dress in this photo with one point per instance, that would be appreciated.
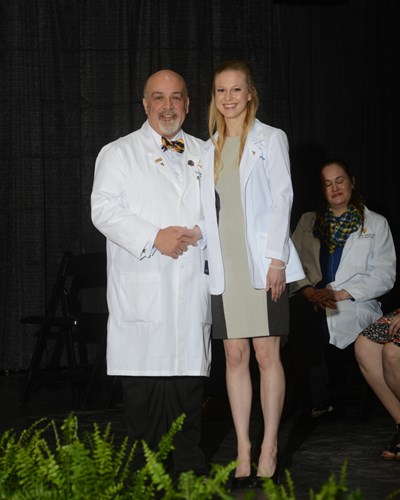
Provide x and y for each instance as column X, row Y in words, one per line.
column 241, row 311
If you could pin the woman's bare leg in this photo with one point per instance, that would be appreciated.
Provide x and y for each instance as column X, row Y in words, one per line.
column 272, row 394
column 391, row 368
column 369, row 357
column 239, row 388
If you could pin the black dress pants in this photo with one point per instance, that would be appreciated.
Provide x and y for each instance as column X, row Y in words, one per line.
column 309, row 353
column 317, row 367
column 153, row 403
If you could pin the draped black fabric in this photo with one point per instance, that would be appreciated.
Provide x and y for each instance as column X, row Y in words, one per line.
column 72, row 76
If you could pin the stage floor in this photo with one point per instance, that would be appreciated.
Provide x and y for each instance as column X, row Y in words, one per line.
column 311, row 449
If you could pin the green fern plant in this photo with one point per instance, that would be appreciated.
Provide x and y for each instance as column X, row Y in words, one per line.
column 94, row 467
column 75, row 469
column 333, row 489
column 91, row 467
column 153, row 479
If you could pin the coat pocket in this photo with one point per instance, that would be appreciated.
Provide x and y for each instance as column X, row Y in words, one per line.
column 140, row 297
column 362, row 252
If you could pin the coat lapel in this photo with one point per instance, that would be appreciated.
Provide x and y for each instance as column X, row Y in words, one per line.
column 158, row 160
column 252, row 152
column 180, row 183
column 191, row 167
column 191, row 170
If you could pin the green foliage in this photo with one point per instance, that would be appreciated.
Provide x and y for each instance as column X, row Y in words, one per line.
column 92, row 466
column 332, row 490
column 395, row 495
column 73, row 468
column 153, row 480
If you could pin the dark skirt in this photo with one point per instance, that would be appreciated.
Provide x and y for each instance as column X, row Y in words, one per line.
column 278, row 317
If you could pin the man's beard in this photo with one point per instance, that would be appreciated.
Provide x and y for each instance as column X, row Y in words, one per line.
column 169, row 126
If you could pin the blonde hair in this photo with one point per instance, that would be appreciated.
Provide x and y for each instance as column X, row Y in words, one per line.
column 216, row 121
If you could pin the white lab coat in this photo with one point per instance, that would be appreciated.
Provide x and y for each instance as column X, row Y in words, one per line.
column 367, row 270
column 159, row 308
column 266, row 197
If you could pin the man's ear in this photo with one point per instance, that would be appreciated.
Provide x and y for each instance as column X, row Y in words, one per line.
column 144, row 101
column 187, row 103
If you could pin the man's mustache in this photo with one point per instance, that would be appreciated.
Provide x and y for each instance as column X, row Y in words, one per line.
column 164, row 112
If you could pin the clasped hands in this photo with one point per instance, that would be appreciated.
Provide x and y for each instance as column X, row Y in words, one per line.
column 323, row 298
column 173, row 241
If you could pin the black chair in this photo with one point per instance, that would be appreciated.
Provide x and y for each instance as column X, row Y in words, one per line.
column 72, row 333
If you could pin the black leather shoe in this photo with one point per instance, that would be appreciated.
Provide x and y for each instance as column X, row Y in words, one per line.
column 241, row 482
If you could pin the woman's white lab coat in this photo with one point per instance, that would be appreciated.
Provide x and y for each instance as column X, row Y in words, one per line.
column 367, row 270
column 159, row 308
column 266, row 196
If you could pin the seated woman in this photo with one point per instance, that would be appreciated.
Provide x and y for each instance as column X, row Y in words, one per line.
column 377, row 350
column 349, row 259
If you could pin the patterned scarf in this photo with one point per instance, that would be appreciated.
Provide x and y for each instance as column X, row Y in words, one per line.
column 334, row 231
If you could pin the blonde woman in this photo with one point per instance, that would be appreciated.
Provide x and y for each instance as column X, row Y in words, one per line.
column 250, row 256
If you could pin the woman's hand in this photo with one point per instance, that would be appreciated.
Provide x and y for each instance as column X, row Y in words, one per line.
column 168, row 241
column 276, row 279
column 191, row 236
column 323, row 298
column 394, row 325
column 320, row 298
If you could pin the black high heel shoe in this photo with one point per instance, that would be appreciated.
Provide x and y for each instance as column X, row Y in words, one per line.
column 258, row 481
column 238, row 483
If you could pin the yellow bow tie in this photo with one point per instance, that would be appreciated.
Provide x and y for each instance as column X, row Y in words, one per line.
column 177, row 145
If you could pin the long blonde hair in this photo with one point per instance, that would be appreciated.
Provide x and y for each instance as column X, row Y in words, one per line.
column 216, row 121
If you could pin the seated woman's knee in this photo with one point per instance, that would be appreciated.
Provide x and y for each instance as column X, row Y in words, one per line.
column 391, row 357
column 360, row 348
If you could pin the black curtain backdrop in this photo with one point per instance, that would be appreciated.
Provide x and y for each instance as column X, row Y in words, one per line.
column 72, row 74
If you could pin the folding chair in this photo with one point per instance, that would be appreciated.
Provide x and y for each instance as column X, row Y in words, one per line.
column 75, row 319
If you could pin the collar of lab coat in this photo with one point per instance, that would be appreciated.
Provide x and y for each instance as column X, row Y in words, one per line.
column 253, row 149
column 190, row 156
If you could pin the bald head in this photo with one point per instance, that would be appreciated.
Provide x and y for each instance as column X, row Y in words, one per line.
column 165, row 75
